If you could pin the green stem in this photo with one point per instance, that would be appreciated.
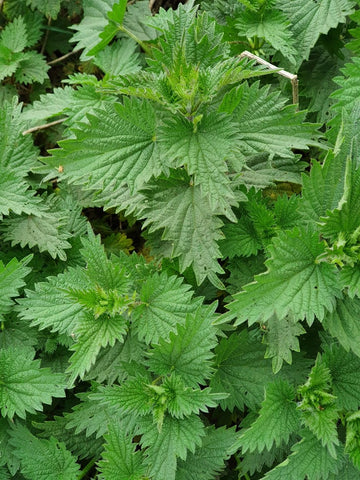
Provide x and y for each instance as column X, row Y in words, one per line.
column 135, row 38
column 86, row 469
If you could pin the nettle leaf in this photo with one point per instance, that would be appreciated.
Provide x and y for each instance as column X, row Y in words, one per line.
column 309, row 459
column 278, row 419
column 88, row 418
column 175, row 439
column 49, row 8
column 75, row 104
column 62, row 302
column 203, row 150
column 309, row 19
column 118, row 143
column 265, row 124
column 208, row 459
column 294, row 282
column 343, row 223
column 282, row 338
column 272, row 26
column 343, row 368
column 188, row 352
column 32, row 67
column 164, row 303
column 241, row 371
column 171, row 397
column 342, row 323
column 350, row 279
column 262, row 170
column 42, row 459
column 4, row 474
column 323, row 188
column 45, row 233
column 318, row 409
column 17, row 152
column 15, row 195
column 24, row 386
column 115, row 17
column 11, row 280
column 240, row 239
column 92, row 25
column 7, row 457
column 188, row 222
column 119, row 58
column 119, row 460
column 196, row 35
column 48, row 306
column 93, row 334
column 14, row 35
column 349, row 85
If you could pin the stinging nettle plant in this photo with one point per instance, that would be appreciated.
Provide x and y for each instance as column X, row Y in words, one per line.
column 228, row 346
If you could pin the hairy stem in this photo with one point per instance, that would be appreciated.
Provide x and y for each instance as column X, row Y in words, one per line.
column 85, row 470
column 135, row 38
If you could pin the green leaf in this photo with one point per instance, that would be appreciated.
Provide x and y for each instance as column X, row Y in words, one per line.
column 15, row 195
column 75, row 104
column 352, row 439
column 278, row 419
column 43, row 459
column 48, row 306
column 350, row 279
column 45, row 232
column 24, row 386
column 11, row 280
column 342, row 224
column 7, row 456
column 62, row 302
column 342, row 323
column 164, row 303
column 318, row 409
column 348, row 82
column 87, row 417
column 241, row 371
column 323, row 188
column 188, row 223
column 128, row 151
column 14, row 35
column 203, row 148
column 4, row 474
column 196, row 35
column 240, row 239
column 188, row 352
column 281, row 339
column 266, row 124
column 32, row 67
column 343, row 368
column 119, row 58
column 116, row 16
column 309, row 459
column 294, row 282
column 17, row 152
column 208, row 459
column 270, row 25
column 172, row 442
column 119, row 460
column 93, row 333
column 49, row 8
column 92, row 24
column 79, row 444
column 310, row 19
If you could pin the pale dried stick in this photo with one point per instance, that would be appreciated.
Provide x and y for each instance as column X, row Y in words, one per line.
column 293, row 78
